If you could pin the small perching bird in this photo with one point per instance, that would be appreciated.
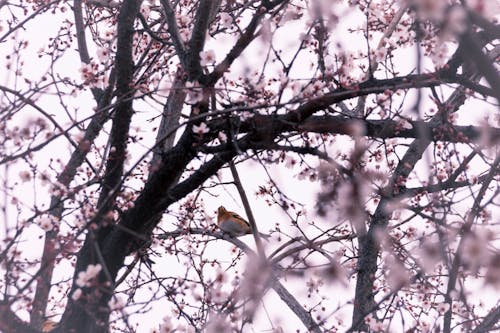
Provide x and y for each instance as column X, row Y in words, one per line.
column 233, row 224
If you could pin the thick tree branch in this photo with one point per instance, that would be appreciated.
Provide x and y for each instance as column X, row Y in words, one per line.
column 466, row 228
column 9, row 322
column 174, row 31
column 74, row 318
column 369, row 247
column 197, row 41
column 488, row 323
column 248, row 210
column 82, row 43
column 485, row 65
column 245, row 39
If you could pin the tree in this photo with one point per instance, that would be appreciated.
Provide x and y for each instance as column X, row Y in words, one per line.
column 380, row 203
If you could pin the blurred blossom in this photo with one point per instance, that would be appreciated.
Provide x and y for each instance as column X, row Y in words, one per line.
column 85, row 277
column 117, row 302
column 195, row 96
column 424, row 326
column 217, row 295
column 185, row 329
column 492, row 276
column 166, row 326
column 356, row 129
column 380, row 54
column 245, row 115
column 217, row 324
column 334, row 272
column 487, row 8
column 430, row 255
column 25, row 176
column 397, row 275
column 252, row 287
column 76, row 294
column 430, row 9
column 475, row 251
column 456, row 21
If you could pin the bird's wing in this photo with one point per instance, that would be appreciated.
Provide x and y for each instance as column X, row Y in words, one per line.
column 236, row 216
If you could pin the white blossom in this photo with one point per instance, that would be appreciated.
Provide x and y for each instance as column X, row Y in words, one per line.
column 207, row 57
column 25, row 176
column 226, row 20
column 442, row 308
column 103, row 54
column 46, row 223
column 145, row 10
column 201, row 129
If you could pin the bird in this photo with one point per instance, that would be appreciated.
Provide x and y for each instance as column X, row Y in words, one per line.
column 48, row 325
column 233, row 224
